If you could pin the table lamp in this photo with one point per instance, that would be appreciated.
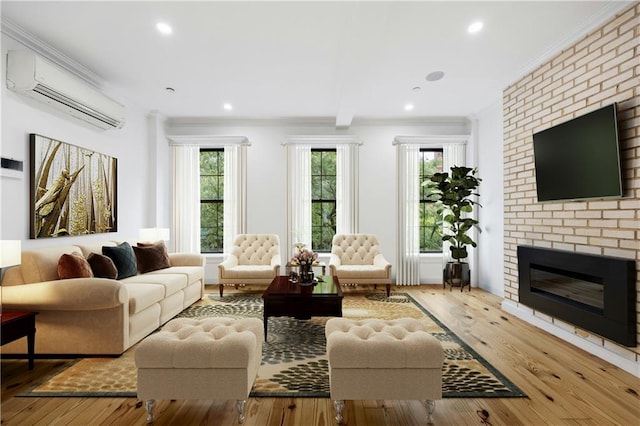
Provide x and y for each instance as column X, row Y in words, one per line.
column 10, row 254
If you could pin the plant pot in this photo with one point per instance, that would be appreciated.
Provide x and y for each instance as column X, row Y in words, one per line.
column 456, row 274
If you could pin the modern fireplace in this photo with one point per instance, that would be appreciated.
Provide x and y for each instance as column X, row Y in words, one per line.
column 596, row 293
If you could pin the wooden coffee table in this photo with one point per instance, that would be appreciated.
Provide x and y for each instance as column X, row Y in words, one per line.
column 18, row 324
column 286, row 299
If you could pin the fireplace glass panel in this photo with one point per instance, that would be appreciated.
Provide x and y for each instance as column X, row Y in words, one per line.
column 571, row 287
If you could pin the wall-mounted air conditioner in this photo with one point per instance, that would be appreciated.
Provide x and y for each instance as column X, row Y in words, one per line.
column 35, row 77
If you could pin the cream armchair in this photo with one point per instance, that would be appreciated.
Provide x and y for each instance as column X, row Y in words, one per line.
column 253, row 259
column 356, row 259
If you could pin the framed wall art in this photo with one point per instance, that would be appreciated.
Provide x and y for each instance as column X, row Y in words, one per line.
column 73, row 189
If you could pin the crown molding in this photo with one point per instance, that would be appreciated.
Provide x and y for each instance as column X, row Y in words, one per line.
column 321, row 139
column 203, row 122
column 22, row 36
column 210, row 141
column 431, row 140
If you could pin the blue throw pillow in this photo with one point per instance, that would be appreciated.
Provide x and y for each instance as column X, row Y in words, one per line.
column 124, row 259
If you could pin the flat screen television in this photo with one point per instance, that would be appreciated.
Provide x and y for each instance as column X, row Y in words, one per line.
column 579, row 159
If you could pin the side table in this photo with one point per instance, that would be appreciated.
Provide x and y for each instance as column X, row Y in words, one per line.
column 18, row 324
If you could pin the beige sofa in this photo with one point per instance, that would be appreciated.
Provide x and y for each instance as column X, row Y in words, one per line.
column 96, row 315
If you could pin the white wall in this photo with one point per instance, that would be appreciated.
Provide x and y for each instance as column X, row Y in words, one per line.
column 22, row 116
column 144, row 169
column 266, row 179
column 490, row 168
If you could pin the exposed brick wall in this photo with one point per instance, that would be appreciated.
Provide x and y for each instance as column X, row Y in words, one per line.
column 602, row 68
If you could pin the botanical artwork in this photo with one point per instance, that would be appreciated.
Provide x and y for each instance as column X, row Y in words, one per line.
column 73, row 189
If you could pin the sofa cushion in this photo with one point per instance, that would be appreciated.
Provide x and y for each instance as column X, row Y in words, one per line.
column 73, row 265
column 193, row 273
column 124, row 259
column 361, row 271
column 141, row 296
column 102, row 266
column 151, row 257
column 249, row 271
column 172, row 283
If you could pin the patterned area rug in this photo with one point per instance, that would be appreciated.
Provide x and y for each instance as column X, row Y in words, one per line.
column 294, row 361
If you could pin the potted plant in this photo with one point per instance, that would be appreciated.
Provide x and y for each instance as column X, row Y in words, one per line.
column 454, row 193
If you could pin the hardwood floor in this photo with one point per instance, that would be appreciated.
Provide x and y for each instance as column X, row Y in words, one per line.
column 565, row 385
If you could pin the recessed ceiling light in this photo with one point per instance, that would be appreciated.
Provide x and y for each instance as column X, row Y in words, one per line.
column 435, row 76
column 228, row 107
column 408, row 107
column 164, row 28
column 170, row 89
column 475, row 27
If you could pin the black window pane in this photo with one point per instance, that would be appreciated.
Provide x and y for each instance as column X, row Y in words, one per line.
column 430, row 219
column 211, row 197
column 316, row 187
column 323, row 196
column 329, row 165
column 329, row 188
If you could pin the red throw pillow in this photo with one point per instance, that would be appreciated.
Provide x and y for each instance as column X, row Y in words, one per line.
column 151, row 257
column 73, row 266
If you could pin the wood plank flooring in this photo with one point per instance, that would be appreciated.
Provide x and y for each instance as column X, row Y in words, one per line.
column 565, row 385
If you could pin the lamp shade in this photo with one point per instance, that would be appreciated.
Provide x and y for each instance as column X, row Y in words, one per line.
column 154, row 234
column 10, row 253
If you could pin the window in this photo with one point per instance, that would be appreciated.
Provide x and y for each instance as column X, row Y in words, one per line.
column 211, row 200
column 323, row 198
column 430, row 220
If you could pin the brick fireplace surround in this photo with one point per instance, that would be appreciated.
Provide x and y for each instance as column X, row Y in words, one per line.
column 601, row 68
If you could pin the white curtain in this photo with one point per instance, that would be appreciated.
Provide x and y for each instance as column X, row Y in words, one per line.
column 408, row 247
column 347, row 188
column 299, row 194
column 453, row 154
column 235, row 200
column 186, row 198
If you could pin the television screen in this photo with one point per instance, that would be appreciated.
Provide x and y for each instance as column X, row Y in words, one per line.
column 580, row 158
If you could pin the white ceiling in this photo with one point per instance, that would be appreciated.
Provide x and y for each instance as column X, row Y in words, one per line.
column 342, row 60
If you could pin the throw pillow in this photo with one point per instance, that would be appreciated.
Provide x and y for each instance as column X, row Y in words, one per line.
column 73, row 266
column 151, row 257
column 124, row 259
column 102, row 266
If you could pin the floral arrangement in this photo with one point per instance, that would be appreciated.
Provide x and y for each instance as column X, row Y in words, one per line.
column 304, row 256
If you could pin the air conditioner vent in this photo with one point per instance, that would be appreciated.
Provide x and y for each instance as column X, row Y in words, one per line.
column 32, row 76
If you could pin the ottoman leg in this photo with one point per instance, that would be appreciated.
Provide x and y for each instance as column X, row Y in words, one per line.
column 240, row 407
column 339, row 405
column 150, row 404
column 431, row 406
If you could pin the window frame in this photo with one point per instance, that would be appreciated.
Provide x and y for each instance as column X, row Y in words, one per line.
column 332, row 201
column 219, row 202
column 423, row 201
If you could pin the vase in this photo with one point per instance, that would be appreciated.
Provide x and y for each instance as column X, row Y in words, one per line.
column 456, row 274
column 306, row 273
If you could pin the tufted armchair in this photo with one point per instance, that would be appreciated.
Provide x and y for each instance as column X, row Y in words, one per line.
column 356, row 259
column 254, row 259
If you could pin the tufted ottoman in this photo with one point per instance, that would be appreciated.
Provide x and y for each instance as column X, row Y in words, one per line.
column 383, row 359
column 209, row 358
